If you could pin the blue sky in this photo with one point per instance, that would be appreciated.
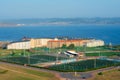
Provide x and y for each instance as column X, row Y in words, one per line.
column 13, row 9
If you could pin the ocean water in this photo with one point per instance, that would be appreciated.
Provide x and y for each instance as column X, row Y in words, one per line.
column 108, row 33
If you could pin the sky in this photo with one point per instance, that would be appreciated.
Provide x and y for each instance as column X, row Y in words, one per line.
column 17, row 9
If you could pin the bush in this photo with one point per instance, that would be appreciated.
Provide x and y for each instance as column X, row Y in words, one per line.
column 119, row 69
column 71, row 46
column 3, row 72
column 100, row 73
column 64, row 46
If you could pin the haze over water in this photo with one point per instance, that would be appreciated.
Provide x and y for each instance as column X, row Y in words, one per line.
column 108, row 33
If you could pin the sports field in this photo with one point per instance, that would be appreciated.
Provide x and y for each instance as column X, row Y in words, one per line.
column 80, row 66
column 34, row 59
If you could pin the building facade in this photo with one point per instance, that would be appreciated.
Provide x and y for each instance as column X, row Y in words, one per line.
column 19, row 45
column 39, row 42
column 31, row 43
column 60, row 43
column 94, row 43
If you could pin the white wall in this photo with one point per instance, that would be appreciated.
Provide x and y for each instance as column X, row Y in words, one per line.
column 19, row 45
column 94, row 43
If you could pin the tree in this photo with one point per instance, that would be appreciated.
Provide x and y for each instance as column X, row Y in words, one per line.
column 64, row 46
column 13, row 53
column 71, row 46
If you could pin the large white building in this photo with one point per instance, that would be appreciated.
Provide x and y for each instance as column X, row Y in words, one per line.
column 94, row 43
column 19, row 45
column 30, row 43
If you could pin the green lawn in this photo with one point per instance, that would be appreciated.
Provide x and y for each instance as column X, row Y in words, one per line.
column 92, row 48
column 103, row 54
column 6, row 52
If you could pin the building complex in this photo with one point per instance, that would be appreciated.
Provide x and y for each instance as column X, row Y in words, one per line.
column 53, row 43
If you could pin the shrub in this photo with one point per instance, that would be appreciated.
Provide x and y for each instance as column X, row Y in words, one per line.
column 64, row 46
column 71, row 46
column 3, row 72
column 100, row 73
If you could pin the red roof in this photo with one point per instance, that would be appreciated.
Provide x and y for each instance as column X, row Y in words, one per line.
column 64, row 40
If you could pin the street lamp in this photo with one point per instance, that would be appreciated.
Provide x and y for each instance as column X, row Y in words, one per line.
column 24, row 51
column 57, row 56
column 85, row 50
column 95, row 63
column 28, row 58
column 99, row 54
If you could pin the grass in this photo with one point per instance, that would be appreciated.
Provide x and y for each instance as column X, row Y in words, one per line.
column 103, row 54
column 109, row 75
column 2, row 71
column 18, row 73
column 6, row 52
column 92, row 48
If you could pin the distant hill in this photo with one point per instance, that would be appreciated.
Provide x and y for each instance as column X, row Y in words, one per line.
column 59, row 21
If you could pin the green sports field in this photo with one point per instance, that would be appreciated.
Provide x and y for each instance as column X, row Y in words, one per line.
column 81, row 66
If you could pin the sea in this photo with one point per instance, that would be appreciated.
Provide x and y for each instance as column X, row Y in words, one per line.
column 108, row 33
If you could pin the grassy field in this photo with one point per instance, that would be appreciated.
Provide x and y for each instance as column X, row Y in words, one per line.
column 6, row 52
column 103, row 54
column 109, row 75
column 92, row 48
column 8, row 72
